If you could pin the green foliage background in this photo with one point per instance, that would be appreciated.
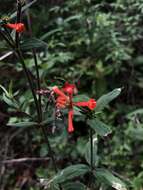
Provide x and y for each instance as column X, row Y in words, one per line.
column 99, row 45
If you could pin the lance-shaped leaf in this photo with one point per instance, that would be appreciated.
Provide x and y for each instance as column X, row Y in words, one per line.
column 4, row 90
column 22, row 124
column 106, row 177
column 99, row 127
column 104, row 100
column 33, row 43
column 10, row 101
column 71, row 172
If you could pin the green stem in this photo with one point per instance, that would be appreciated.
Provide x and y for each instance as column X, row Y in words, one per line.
column 91, row 148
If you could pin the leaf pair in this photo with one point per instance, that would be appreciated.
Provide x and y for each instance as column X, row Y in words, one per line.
column 78, row 170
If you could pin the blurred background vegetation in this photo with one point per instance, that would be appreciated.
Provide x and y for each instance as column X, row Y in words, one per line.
column 97, row 44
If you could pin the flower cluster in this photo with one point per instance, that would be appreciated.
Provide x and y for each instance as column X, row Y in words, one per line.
column 65, row 100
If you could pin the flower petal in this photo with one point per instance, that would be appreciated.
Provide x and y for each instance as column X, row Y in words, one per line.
column 91, row 104
column 61, row 102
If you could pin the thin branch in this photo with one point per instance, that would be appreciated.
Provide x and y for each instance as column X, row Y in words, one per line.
column 18, row 19
column 6, row 55
column 20, row 160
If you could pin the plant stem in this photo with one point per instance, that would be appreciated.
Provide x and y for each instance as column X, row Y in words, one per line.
column 38, row 111
column 18, row 19
column 91, row 148
column 35, row 60
column 19, row 55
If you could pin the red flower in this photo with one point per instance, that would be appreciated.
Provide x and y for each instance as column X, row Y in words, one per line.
column 91, row 104
column 69, row 88
column 70, row 121
column 59, row 92
column 64, row 101
column 18, row 27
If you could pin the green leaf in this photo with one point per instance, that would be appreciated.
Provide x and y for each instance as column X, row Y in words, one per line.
column 50, row 33
column 43, row 150
column 80, row 98
column 77, row 111
column 104, row 100
column 71, row 172
column 134, row 113
column 32, row 43
column 100, row 128
column 11, row 102
column 106, row 177
column 74, row 186
column 88, row 152
column 71, row 18
column 136, row 133
column 4, row 90
column 22, row 124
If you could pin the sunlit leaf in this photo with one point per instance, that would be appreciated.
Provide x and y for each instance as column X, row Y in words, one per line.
column 4, row 90
column 104, row 100
column 106, row 177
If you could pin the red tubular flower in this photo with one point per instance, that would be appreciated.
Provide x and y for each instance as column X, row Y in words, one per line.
column 70, row 121
column 59, row 92
column 18, row 27
column 61, row 102
column 91, row 104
